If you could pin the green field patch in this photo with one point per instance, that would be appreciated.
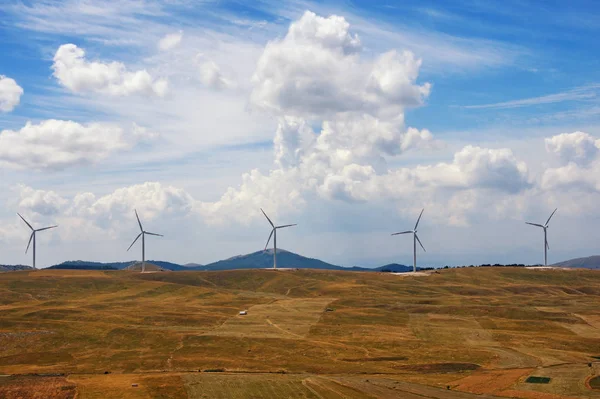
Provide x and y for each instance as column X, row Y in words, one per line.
column 538, row 380
column 594, row 382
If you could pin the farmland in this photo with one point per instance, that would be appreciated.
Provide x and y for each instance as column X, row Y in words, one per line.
column 456, row 333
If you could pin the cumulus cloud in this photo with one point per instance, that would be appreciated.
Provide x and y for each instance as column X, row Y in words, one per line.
column 87, row 215
column 150, row 199
column 40, row 202
column 56, row 144
column 580, row 155
column 170, row 41
column 578, row 147
column 10, row 94
column 212, row 77
column 317, row 70
column 80, row 75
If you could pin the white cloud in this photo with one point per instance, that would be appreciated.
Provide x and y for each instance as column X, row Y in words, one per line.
column 10, row 94
column 212, row 77
column 40, row 202
column 578, row 147
column 316, row 70
column 87, row 216
column 170, row 41
column 579, row 154
column 79, row 75
column 150, row 199
column 56, row 144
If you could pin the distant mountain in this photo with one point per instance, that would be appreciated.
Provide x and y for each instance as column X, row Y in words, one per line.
column 14, row 268
column 591, row 262
column 264, row 259
column 255, row 260
column 192, row 265
column 85, row 265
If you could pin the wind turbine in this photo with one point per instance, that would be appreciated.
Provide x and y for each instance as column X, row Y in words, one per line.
column 143, row 235
column 415, row 239
column 274, row 233
column 545, row 227
column 32, row 237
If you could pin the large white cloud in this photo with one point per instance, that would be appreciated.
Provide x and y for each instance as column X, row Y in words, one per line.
column 580, row 155
column 578, row 147
column 56, row 144
column 317, row 70
column 316, row 73
column 88, row 216
column 10, row 94
column 39, row 202
column 80, row 75
column 150, row 199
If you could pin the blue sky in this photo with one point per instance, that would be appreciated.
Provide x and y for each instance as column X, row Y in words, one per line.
column 347, row 116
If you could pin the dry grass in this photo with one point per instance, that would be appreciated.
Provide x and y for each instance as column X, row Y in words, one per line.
column 473, row 329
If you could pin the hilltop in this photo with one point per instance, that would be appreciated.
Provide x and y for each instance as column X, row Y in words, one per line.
column 264, row 259
column 590, row 262
column 13, row 268
column 86, row 265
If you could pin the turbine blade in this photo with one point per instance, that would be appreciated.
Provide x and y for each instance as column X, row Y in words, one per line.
column 138, row 219
column 29, row 243
column 136, row 238
column 535, row 224
column 286, row 225
column 47, row 228
column 26, row 222
column 269, row 240
column 417, row 237
column 272, row 225
column 421, row 214
column 548, row 221
column 153, row 234
column 403, row 232
column 547, row 245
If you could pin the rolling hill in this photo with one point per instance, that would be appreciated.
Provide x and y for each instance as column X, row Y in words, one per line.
column 264, row 259
column 14, row 268
column 590, row 262
column 255, row 260
column 85, row 265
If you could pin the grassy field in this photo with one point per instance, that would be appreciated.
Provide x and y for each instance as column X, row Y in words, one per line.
column 455, row 333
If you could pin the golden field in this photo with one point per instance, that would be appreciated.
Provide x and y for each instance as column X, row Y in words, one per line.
column 455, row 333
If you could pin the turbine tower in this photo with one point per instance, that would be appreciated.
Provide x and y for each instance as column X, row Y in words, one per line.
column 143, row 235
column 32, row 236
column 545, row 227
column 415, row 239
column 274, row 234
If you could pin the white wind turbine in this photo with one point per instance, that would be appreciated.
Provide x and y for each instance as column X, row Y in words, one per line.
column 32, row 237
column 545, row 227
column 143, row 235
column 415, row 239
column 274, row 233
